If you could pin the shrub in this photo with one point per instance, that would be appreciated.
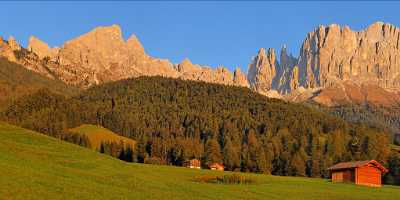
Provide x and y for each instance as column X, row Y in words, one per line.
column 235, row 179
column 153, row 161
column 226, row 179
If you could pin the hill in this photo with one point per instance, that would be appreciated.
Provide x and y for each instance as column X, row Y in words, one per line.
column 16, row 81
column 59, row 170
column 174, row 120
column 98, row 135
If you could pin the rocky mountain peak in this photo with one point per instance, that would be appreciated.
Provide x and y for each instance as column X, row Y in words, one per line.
column 112, row 32
column 40, row 48
column 134, row 44
column 186, row 66
column 186, row 61
column 6, row 51
column 239, row 78
column 329, row 57
column 13, row 44
column 262, row 71
column 333, row 54
column 287, row 62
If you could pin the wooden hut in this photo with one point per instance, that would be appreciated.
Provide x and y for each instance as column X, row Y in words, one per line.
column 216, row 166
column 368, row 172
column 192, row 163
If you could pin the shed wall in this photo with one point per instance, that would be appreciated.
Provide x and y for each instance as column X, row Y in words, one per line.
column 368, row 175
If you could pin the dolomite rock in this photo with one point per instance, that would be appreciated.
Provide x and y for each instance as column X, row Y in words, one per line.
column 262, row 71
column 282, row 81
column 6, row 51
column 186, row 66
column 294, row 79
column 41, row 48
column 220, row 75
column 333, row 54
column 13, row 44
column 239, row 79
column 336, row 65
column 100, row 56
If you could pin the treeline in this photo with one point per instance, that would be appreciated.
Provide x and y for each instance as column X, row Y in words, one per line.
column 118, row 150
column 174, row 120
column 79, row 139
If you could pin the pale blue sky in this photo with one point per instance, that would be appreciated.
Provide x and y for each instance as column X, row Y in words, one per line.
column 210, row 33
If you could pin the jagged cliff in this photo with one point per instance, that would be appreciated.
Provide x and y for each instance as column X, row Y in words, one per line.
column 262, row 71
column 102, row 55
column 336, row 64
column 331, row 54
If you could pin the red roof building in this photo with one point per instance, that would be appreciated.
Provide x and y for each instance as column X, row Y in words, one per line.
column 368, row 172
column 216, row 166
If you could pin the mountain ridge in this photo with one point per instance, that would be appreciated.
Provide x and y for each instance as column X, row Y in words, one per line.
column 330, row 57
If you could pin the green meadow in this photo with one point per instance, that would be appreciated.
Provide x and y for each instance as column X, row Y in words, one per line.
column 35, row 166
column 98, row 134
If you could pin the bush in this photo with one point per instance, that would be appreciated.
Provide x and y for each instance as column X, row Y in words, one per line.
column 206, row 179
column 226, row 179
column 154, row 161
column 235, row 179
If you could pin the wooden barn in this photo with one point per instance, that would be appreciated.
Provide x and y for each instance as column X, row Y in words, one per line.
column 366, row 172
column 193, row 163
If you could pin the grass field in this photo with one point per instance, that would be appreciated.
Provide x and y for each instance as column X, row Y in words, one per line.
column 98, row 134
column 34, row 166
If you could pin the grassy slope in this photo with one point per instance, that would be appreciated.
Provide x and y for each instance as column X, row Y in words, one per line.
column 34, row 166
column 97, row 134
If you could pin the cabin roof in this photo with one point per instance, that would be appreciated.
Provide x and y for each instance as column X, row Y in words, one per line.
column 356, row 164
column 216, row 165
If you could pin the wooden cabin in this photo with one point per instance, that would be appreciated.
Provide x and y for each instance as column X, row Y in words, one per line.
column 368, row 172
column 193, row 163
column 216, row 166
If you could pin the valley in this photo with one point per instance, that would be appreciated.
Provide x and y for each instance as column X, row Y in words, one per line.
column 93, row 114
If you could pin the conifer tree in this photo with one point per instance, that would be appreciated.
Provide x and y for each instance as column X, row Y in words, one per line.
column 231, row 156
column 212, row 152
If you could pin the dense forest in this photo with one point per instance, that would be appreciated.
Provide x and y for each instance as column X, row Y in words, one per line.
column 174, row 120
column 386, row 118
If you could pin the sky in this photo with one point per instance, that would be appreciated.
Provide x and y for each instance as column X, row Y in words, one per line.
column 208, row 33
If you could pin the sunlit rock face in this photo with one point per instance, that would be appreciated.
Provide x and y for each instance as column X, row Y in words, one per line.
column 262, row 71
column 333, row 60
column 102, row 55
column 331, row 54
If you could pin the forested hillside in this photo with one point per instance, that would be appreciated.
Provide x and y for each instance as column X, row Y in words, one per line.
column 387, row 118
column 174, row 120
column 16, row 81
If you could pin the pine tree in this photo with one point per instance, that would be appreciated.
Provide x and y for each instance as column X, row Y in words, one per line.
column 102, row 148
column 297, row 165
column 128, row 154
column 231, row 156
column 253, row 152
column 262, row 165
column 212, row 152
column 141, row 149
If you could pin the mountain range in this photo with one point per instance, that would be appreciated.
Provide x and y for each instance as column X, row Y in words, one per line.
column 336, row 65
